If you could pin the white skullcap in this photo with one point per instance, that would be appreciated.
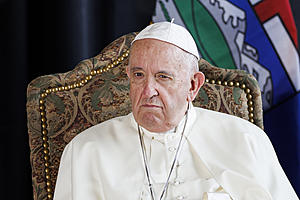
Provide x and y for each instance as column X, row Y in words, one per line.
column 171, row 33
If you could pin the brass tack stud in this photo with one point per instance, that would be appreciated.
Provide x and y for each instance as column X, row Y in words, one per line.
column 44, row 95
column 219, row 82
column 251, row 115
column 45, row 138
column 212, row 81
column 42, row 113
column 48, row 177
column 207, row 80
column 49, row 189
column 42, row 101
column 43, row 119
column 47, row 170
column 250, row 109
column 249, row 96
column 44, row 132
column 231, row 83
column 247, row 90
column 48, row 91
column 44, row 126
column 237, row 84
column 49, row 196
column 47, row 164
column 48, row 183
column 42, row 107
column 252, row 120
column 46, row 151
column 45, row 145
column 225, row 83
column 250, row 103
column 243, row 86
column 93, row 72
column 46, row 158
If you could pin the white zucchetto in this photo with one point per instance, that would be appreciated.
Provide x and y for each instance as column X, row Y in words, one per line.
column 171, row 33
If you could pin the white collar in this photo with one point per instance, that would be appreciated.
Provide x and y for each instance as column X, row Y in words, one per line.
column 173, row 133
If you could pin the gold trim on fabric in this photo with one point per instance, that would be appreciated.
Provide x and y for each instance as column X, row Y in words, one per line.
column 42, row 109
column 243, row 87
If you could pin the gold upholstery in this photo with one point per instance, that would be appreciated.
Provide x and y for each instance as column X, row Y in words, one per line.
column 60, row 106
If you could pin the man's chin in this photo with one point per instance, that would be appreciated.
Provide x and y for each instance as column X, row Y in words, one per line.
column 150, row 121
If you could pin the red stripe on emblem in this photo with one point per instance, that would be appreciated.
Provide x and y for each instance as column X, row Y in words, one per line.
column 268, row 8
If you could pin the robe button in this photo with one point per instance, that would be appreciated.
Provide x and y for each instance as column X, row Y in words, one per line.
column 172, row 149
column 177, row 183
column 180, row 197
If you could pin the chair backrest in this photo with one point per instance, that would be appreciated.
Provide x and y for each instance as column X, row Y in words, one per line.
column 60, row 106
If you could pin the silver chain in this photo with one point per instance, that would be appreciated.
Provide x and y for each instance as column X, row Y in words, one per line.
column 147, row 168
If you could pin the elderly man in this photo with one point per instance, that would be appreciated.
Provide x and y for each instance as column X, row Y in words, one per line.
column 166, row 148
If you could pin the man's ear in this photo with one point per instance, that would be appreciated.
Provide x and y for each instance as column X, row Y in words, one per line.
column 197, row 80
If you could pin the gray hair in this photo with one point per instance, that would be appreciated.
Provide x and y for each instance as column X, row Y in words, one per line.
column 190, row 60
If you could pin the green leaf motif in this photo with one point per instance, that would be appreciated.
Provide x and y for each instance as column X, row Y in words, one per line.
column 121, row 87
column 58, row 103
column 41, row 82
column 203, row 96
column 100, row 96
column 33, row 97
column 237, row 95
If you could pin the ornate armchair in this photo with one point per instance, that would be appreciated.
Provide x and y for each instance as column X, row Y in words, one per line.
column 60, row 106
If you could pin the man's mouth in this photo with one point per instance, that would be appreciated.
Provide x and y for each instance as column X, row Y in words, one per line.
column 150, row 106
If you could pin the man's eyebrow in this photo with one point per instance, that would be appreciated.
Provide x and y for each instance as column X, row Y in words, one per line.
column 135, row 69
column 165, row 72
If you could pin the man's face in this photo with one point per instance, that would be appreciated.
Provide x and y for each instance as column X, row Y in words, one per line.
column 159, row 84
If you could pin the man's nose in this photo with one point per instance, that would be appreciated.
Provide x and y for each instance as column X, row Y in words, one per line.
column 150, row 88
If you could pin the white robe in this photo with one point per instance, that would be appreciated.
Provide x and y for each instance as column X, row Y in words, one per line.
column 105, row 162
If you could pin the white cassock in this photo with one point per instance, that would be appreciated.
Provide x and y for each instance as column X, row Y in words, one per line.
column 222, row 157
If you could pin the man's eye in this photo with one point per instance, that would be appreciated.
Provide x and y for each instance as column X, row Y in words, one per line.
column 138, row 74
column 164, row 77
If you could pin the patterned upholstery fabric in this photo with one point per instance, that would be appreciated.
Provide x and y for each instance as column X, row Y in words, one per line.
column 60, row 106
